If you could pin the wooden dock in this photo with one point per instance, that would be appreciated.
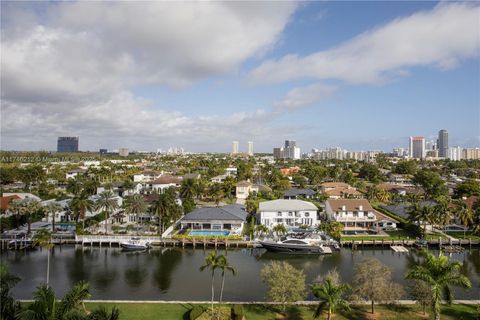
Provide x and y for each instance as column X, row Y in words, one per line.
column 399, row 248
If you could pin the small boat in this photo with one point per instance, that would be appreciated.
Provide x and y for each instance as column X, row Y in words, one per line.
column 296, row 246
column 135, row 244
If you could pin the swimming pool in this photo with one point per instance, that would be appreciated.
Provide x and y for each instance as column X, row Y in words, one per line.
column 206, row 233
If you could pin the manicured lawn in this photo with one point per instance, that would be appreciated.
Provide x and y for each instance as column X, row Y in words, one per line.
column 436, row 236
column 391, row 235
column 459, row 235
column 133, row 311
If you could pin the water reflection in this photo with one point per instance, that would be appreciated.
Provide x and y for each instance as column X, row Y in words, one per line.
column 166, row 261
column 136, row 272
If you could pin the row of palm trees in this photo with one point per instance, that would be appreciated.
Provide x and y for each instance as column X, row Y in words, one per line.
column 442, row 213
column 164, row 207
column 46, row 304
column 213, row 262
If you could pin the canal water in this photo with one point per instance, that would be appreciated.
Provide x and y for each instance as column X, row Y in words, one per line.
column 173, row 273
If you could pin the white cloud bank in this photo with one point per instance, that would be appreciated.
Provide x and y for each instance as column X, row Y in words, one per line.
column 72, row 71
column 304, row 96
column 440, row 38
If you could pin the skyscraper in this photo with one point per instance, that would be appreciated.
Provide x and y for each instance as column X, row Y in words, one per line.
column 442, row 143
column 417, row 147
column 234, row 147
column 290, row 143
column 250, row 148
column 67, row 144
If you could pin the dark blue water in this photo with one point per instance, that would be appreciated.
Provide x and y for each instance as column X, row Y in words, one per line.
column 173, row 273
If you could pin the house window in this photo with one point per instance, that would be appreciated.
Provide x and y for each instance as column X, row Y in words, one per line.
column 307, row 214
column 290, row 214
column 279, row 214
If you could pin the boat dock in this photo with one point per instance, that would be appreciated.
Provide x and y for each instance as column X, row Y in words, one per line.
column 399, row 248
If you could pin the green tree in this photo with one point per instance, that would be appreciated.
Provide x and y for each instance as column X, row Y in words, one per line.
column 440, row 274
column 405, row 167
column 467, row 188
column 136, row 205
column 261, row 229
column 108, row 203
column 43, row 238
column 80, row 205
column 188, row 189
column 370, row 172
column 333, row 228
column 50, row 210
column 31, row 207
column 420, row 291
column 279, row 229
column 165, row 208
column 212, row 262
column 285, row 283
column 331, row 296
column 9, row 308
column 224, row 266
column 431, row 182
column 372, row 281
column 216, row 193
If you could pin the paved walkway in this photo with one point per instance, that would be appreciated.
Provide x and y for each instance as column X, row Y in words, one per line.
column 405, row 302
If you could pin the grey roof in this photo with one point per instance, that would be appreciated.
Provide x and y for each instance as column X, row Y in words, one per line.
column 286, row 205
column 230, row 212
column 298, row 192
column 401, row 210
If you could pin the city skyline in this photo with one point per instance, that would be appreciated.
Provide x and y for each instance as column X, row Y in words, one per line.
column 285, row 71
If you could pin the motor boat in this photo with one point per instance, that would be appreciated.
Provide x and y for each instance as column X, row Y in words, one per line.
column 135, row 244
column 297, row 246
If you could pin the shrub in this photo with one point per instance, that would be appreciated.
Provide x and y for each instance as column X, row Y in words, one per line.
column 238, row 313
column 196, row 312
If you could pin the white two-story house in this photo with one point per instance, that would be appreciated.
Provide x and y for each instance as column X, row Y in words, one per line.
column 357, row 215
column 291, row 213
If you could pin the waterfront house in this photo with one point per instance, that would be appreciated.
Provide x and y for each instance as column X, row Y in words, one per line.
column 296, row 193
column 341, row 193
column 245, row 187
column 165, row 182
column 225, row 218
column 291, row 213
column 357, row 215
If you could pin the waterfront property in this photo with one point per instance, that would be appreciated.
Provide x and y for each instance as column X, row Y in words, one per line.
column 296, row 193
column 291, row 213
column 244, row 188
column 227, row 218
column 357, row 215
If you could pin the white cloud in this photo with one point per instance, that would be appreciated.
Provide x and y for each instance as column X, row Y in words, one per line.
column 440, row 37
column 88, row 48
column 73, row 70
column 304, row 96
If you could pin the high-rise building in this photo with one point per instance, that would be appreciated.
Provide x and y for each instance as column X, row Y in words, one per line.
column 103, row 151
column 442, row 143
column 67, row 144
column 455, row 153
column 417, row 147
column 471, row 153
column 234, row 147
column 250, row 148
column 290, row 143
column 290, row 151
column 123, row 152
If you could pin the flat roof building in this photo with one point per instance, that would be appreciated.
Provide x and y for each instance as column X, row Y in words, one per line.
column 67, row 144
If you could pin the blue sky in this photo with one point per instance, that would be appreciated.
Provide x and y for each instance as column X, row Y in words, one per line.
column 359, row 75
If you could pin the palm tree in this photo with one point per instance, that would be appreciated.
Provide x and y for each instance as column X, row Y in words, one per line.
column 108, row 203
column 31, row 207
column 465, row 215
column 261, row 229
column 330, row 295
column 372, row 192
column 224, row 266
column 17, row 206
column 187, row 189
column 421, row 214
column 136, row 205
column 47, row 306
column 216, row 193
column 384, row 196
column 212, row 262
column 9, row 308
column 166, row 209
column 43, row 238
column 440, row 274
column 51, row 209
column 279, row 229
column 82, row 204
column 75, row 186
